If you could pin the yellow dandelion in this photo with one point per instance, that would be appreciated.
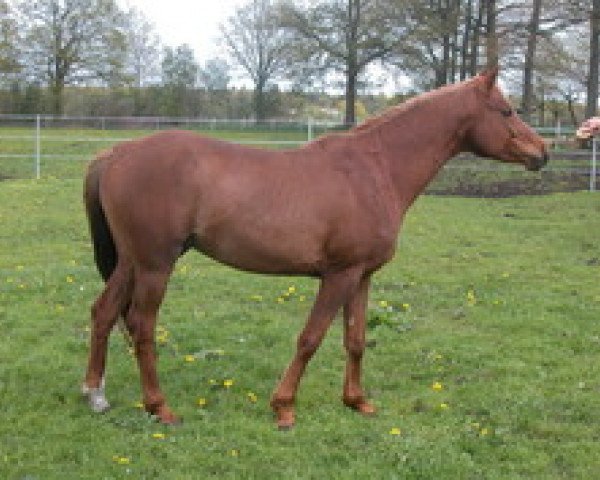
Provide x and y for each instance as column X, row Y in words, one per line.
column 444, row 406
column 483, row 432
column 280, row 300
column 301, row 298
column 252, row 397
column 121, row 460
column 471, row 299
column 228, row 383
column 234, row 452
column 70, row 279
column 201, row 402
column 189, row 358
column 138, row 405
column 383, row 304
column 395, row 431
column 437, row 356
column 406, row 306
column 437, row 386
column 162, row 339
column 212, row 381
column 158, row 436
column 256, row 298
column 505, row 275
column 292, row 289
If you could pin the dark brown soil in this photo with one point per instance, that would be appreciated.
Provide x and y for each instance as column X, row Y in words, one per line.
column 547, row 182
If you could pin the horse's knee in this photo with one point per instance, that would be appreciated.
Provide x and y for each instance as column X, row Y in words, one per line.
column 307, row 345
column 355, row 347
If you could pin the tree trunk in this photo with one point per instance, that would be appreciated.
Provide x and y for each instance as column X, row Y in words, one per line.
column 57, row 89
column 445, row 10
column 527, row 98
column 591, row 107
column 572, row 114
column 350, row 115
column 352, row 61
column 474, row 57
column 542, row 104
column 464, row 54
column 491, row 34
column 259, row 102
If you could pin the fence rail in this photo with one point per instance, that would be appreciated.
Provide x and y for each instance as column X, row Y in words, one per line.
column 56, row 145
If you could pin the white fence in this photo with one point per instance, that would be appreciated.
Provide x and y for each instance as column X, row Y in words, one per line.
column 36, row 145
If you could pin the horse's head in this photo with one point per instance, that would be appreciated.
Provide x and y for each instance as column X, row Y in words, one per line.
column 498, row 132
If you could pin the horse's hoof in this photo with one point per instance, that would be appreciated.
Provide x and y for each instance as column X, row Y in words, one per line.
column 167, row 417
column 362, row 406
column 96, row 399
column 285, row 418
column 366, row 408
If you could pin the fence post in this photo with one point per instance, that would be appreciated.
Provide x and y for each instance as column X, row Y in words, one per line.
column 37, row 148
column 309, row 128
column 594, row 167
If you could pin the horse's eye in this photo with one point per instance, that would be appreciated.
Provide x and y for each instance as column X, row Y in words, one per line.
column 507, row 112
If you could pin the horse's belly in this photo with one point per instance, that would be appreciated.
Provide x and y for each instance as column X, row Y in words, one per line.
column 272, row 251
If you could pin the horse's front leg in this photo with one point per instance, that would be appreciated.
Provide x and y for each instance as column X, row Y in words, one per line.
column 148, row 293
column 355, row 313
column 334, row 291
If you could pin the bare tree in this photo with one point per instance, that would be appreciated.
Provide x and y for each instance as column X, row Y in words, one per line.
column 529, row 64
column 72, row 41
column 143, row 46
column 344, row 37
column 215, row 74
column 9, row 39
column 257, row 43
column 592, row 81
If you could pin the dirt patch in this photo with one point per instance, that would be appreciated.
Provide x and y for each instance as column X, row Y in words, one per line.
column 547, row 182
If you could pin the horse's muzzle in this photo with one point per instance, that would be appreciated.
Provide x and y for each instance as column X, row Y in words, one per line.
column 538, row 162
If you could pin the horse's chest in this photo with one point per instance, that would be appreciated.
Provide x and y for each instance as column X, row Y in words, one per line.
column 365, row 242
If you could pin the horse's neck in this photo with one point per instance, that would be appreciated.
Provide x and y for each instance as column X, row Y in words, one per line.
column 417, row 144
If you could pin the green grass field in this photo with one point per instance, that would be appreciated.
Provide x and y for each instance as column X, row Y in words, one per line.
column 484, row 354
column 66, row 151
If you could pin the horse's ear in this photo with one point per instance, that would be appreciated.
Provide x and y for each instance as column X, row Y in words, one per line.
column 488, row 77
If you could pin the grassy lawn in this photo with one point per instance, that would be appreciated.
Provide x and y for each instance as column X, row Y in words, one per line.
column 483, row 358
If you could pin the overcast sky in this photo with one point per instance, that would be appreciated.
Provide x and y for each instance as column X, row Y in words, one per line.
column 195, row 22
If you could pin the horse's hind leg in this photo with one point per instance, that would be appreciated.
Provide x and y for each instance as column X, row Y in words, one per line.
column 354, row 342
column 105, row 311
column 148, row 292
column 334, row 292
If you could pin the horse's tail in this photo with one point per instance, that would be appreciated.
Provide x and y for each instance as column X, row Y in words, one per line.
column 105, row 252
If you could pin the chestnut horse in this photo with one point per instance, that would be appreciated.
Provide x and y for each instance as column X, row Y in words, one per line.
column 331, row 209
